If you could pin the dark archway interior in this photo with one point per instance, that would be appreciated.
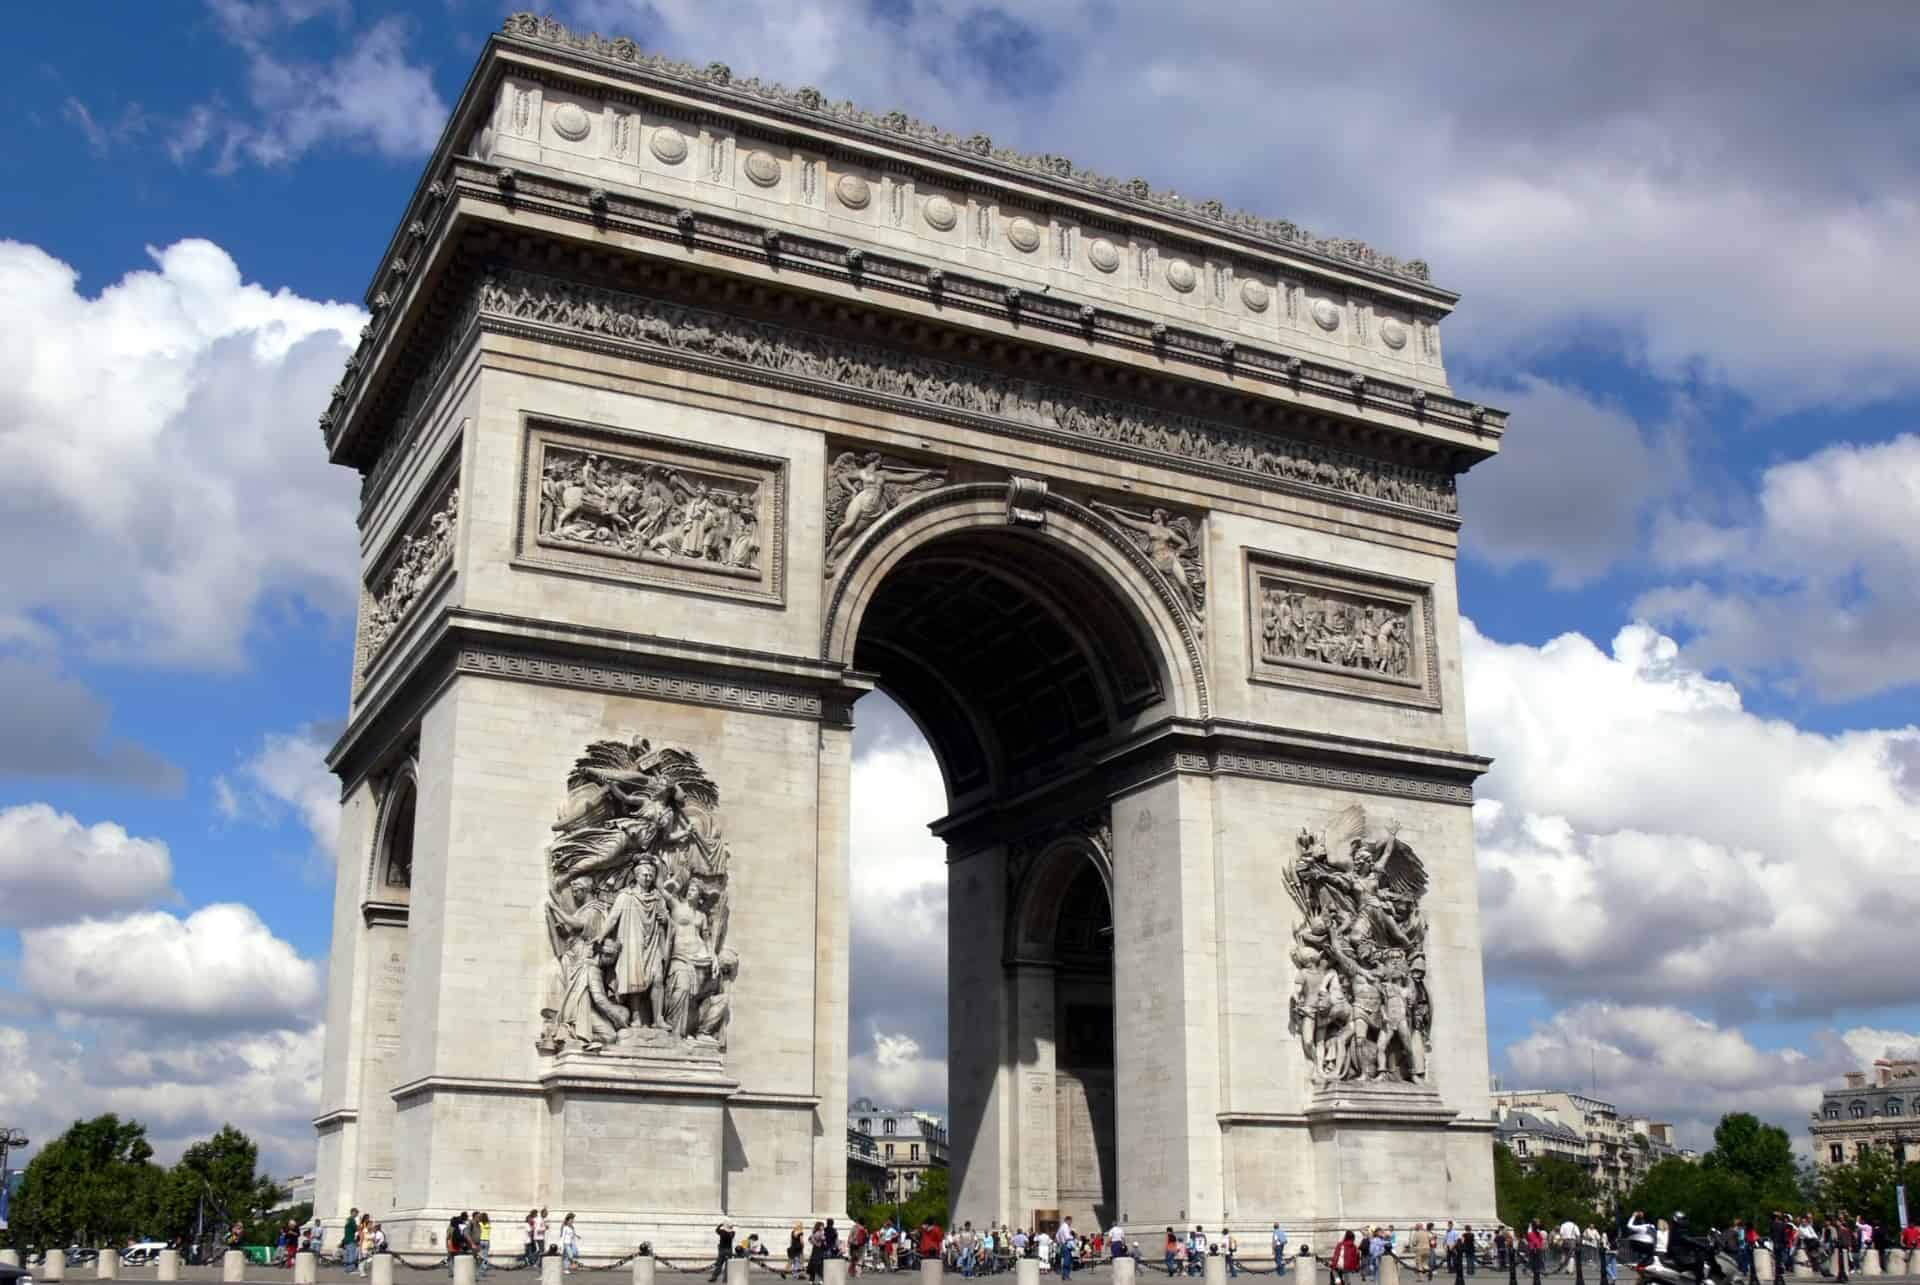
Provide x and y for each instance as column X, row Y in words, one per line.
column 1011, row 655
column 1019, row 662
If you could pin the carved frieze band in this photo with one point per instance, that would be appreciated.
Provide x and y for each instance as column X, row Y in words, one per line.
column 1297, row 771
column 419, row 561
column 1075, row 418
column 632, row 507
column 1329, row 629
column 634, row 680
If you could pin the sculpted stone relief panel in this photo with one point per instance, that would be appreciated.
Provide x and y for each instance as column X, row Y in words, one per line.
column 838, row 365
column 638, row 904
column 1319, row 627
column 415, row 567
column 1173, row 544
column 634, row 507
column 862, row 487
column 1360, row 1005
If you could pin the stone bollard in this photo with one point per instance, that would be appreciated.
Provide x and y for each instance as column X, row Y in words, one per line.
column 382, row 1269
column 463, row 1269
column 836, row 1271
column 1763, row 1262
column 737, row 1269
column 306, row 1267
column 1026, row 1271
column 9, row 1258
column 107, row 1266
column 932, row 1271
column 1870, row 1263
column 551, row 1264
column 169, row 1265
column 1123, row 1270
column 55, row 1268
column 1800, row 1262
column 1216, row 1270
column 1389, row 1270
column 233, row 1266
column 643, row 1270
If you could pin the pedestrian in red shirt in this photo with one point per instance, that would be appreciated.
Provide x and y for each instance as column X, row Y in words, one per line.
column 1346, row 1258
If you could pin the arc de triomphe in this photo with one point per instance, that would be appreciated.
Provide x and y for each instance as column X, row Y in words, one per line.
column 691, row 409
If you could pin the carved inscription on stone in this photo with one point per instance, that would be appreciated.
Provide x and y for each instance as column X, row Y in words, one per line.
column 1360, row 1005
column 415, row 567
column 644, row 508
column 637, row 905
column 837, row 365
column 1319, row 627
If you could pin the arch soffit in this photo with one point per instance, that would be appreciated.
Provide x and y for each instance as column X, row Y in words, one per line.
column 402, row 791
column 1039, row 896
column 953, row 510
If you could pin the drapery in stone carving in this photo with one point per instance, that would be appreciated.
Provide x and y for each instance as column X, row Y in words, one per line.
column 1360, row 1005
column 862, row 487
column 638, row 905
column 1320, row 628
column 717, row 76
column 1173, row 546
column 648, row 511
column 838, row 363
column 420, row 559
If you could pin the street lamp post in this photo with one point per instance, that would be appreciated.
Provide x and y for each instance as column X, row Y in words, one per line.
column 9, row 1139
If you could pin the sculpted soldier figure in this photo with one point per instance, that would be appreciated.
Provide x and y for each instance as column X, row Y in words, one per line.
column 639, row 823
column 1360, row 1004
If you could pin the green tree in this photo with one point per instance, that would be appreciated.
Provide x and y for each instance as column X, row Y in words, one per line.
column 1551, row 1189
column 216, row 1183
column 1759, row 1157
column 1866, row 1188
column 95, row 1184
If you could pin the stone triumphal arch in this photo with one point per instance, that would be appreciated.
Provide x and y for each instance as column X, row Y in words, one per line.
column 691, row 409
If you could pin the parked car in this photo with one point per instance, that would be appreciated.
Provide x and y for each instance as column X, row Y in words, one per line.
column 15, row 1275
column 146, row 1251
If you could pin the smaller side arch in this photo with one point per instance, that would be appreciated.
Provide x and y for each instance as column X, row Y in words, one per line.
column 390, row 863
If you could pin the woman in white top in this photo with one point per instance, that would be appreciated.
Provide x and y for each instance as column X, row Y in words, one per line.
column 569, row 1243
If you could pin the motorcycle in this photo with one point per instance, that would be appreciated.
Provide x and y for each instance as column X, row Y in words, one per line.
column 1689, row 1260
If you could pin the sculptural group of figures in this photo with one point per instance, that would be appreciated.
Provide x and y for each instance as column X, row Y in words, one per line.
column 1360, row 1005
column 854, row 365
column 638, row 904
column 647, row 511
column 1331, row 631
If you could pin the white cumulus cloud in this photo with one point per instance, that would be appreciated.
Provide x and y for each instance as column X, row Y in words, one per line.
column 1644, row 837
column 165, row 428
column 217, row 967
column 54, row 868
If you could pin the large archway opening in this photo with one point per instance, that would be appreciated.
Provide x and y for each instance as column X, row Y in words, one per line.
column 1007, row 663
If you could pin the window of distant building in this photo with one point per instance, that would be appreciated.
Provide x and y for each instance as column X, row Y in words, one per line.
column 1893, row 1106
column 1837, row 1153
column 1519, row 1146
column 889, row 1151
column 890, row 1126
column 1861, row 1149
column 1858, row 1110
column 1833, row 1111
column 866, row 1125
column 913, row 1151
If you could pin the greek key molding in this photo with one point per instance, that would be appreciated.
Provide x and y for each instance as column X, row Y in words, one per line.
column 634, row 680
column 1293, row 769
column 830, row 366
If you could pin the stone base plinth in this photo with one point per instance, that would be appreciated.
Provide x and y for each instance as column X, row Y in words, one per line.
column 639, row 1129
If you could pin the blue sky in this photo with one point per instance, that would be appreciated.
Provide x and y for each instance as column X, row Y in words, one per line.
column 1686, row 252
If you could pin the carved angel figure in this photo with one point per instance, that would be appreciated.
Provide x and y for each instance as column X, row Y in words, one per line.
column 1173, row 547
column 1360, row 1005
column 638, row 908
column 862, row 487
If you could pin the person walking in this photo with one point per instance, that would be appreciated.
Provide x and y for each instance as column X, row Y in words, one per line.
column 350, row 1241
column 569, row 1244
column 1173, row 1252
column 1346, row 1260
column 1420, row 1247
column 817, row 1253
column 722, row 1251
column 530, row 1255
column 1069, row 1245
column 483, row 1242
column 540, row 1235
column 1536, row 1250
column 1231, row 1248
